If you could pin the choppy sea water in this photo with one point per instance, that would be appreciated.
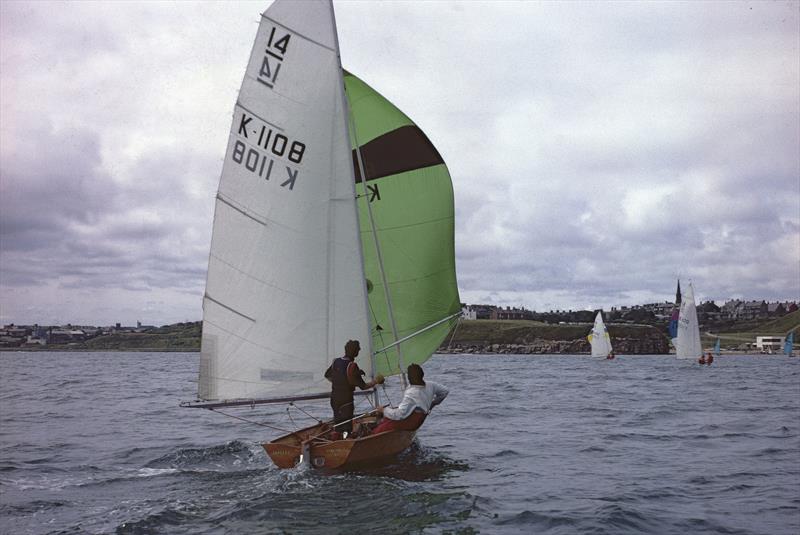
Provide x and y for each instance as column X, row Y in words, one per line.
column 95, row 443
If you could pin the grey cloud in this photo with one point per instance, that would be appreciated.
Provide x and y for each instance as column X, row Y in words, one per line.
column 597, row 150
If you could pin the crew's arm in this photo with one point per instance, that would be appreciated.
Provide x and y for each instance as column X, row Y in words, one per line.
column 402, row 412
column 354, row 376
column 439, row 393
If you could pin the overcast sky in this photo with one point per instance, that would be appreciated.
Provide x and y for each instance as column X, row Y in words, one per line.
column 598, row 150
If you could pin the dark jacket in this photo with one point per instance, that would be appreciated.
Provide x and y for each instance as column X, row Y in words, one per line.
column 345, row 376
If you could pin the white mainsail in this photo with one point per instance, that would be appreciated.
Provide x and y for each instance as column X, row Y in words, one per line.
column 286, row 287
column 598, row 338
column 687, row 342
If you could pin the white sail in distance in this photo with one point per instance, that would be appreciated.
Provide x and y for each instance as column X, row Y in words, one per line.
column 286, row 287
column 599, row 338
column 687, row 343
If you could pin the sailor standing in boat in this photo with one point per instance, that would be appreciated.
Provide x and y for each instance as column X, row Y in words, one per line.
column 345, row 376
column 418, row 400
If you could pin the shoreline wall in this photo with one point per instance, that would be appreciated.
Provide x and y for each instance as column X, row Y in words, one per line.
column 530, row 338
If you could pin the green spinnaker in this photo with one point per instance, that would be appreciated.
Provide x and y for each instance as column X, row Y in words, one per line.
column 411, row 196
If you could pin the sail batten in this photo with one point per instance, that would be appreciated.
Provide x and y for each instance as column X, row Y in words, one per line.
column 254, row 114
column 241, row 210
column 264, row 16
column 223, row 305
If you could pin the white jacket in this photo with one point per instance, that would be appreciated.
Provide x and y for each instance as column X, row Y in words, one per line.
column 417, row 396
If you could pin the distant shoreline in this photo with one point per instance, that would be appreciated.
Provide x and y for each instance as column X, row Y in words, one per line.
column 725, row 353
column 96, row 350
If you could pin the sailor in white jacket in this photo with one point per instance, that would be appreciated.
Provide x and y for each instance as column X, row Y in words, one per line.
column 418, row 400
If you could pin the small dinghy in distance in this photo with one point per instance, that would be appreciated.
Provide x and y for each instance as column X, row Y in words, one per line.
column 599, row 340
column 334, row 221
column 687, row 341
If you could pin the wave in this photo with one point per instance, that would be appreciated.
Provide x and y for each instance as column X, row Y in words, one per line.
column 539, row 521
column 232, row 455
column 170, row 517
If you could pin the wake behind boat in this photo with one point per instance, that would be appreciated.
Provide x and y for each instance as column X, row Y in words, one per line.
column 334, row 221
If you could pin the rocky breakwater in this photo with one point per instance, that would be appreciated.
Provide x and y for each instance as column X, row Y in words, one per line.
column 533, row 338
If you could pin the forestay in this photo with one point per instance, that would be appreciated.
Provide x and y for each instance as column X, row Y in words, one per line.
column 285, row 287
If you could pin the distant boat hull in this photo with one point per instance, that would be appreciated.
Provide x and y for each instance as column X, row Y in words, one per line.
column 285, row 451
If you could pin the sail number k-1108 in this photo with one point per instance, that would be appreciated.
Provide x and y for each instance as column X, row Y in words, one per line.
column 265, row 138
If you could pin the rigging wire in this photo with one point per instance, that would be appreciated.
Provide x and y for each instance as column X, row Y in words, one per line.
column 291, row 404
column 251, row 421
column 290, row 417
column 458, row 323
column 386, row 393
column 379, row 332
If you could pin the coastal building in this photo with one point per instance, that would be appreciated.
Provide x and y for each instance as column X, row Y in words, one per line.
column 65, row 336
column 753, row 310
column 13, row 335
column 510, row 313
column 775, row 309
column 769, row 343
column 483, row 312
column 730, row 308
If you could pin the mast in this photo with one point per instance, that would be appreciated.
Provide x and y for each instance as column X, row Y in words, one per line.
column 347, row 121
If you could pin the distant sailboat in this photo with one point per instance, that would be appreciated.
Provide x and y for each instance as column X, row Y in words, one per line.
column 716, row 348
column 687, row 340
column 788, row 345
column 599, row 339
column 334, row 220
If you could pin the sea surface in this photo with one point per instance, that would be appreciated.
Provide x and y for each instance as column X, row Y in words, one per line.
column 96, row 443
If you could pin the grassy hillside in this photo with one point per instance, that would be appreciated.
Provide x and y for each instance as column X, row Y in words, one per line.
column 523, row 331
column 746, row 332
column 186, row 336
column 177, row 337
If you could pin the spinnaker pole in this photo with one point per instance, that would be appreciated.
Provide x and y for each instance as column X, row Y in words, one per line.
column 426, row 328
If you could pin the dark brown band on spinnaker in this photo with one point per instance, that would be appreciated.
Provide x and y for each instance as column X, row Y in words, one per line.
column 404, row 149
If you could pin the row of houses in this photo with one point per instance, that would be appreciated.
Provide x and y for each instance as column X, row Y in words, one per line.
column 733, row 310
column 39, row 335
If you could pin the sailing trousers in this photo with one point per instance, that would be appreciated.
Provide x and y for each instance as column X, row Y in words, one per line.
column 411, row 423
column 342, row 412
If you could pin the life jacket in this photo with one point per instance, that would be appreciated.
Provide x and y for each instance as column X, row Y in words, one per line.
column 340, row 369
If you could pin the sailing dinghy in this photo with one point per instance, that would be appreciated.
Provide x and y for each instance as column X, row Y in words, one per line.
column 599, row 338
column 333, row 221
column 687, row 341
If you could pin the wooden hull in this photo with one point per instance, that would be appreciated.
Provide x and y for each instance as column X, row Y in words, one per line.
column 285, row 451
